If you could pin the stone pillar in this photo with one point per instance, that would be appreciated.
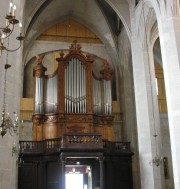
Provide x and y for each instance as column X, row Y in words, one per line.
column 147, row 123
column 169, row 32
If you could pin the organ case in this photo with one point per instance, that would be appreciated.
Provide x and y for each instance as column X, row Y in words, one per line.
column 73, row 99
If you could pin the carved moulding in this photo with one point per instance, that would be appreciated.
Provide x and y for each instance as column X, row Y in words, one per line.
column 39, row 70
column 59, row 118
column 37, row 119
column 75, row 118
column 53, row 118
column 103, row 119
column 86, row 118
column 75, row 128
column 106, row 72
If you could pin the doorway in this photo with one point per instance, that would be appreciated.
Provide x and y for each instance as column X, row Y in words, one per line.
column 74, row 180
column 78, row 177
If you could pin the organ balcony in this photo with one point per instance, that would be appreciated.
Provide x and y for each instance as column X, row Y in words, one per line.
column 74, row 142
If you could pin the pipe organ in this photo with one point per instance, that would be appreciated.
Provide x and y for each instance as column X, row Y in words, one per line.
column 73, row 99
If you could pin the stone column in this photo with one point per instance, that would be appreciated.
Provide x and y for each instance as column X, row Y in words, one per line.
column 151, row 176
column 169, row 32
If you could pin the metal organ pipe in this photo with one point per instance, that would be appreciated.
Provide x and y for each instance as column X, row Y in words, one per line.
column 65, row 75
column 107, row 97
column 67, row 90
column 110, row 99
column 50, row 94
column 75, row 90
column 39, row 95
column 70, row 86
column 105, row 101
column 84, row 91
column 97, row 95
column 80, row 95
column 74, row 86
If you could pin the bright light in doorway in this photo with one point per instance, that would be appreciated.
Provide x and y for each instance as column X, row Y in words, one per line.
column 74, row 181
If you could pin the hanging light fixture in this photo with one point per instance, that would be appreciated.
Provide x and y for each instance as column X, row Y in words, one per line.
column 6, row 31
column 157, row 160
column 6, row 122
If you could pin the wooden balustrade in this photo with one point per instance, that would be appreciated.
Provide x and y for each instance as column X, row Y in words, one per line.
column 117, row 147
column 72, row 141
column 82, row 141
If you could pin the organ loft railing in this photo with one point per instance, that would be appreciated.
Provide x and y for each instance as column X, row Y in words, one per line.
column 73, row 99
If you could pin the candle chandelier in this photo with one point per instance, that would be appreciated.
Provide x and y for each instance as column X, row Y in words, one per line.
column 6, row 122
column 157, row 160
column 8, row 29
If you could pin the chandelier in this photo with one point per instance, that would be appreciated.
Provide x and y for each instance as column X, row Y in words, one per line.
column 157, row 160
column 6, row 122
column 8, row 29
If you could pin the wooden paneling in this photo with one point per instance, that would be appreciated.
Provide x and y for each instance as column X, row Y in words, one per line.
column 68, row 31
column 45, row 171
column 26, row 108
column 116, row 106
column 161, row 88
column 27, row 104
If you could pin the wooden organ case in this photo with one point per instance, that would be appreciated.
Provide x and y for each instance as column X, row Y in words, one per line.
column 73, row 99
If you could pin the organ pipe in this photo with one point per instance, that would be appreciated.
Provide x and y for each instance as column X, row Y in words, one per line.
column 107, row 97
column 39, row 72
column 97, row 96
column 50, row 95
column 39, row 95
column 75, row 87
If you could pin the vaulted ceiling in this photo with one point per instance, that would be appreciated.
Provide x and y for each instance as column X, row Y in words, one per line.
column 106, row 18
column 100, row 16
